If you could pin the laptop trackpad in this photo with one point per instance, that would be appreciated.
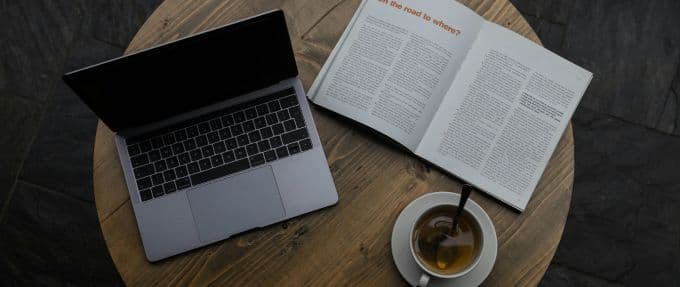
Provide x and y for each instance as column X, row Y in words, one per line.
column 236, row 204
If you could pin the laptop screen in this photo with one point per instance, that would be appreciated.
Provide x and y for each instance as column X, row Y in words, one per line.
column 184, row 75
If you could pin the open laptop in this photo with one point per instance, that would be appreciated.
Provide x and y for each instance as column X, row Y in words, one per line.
column 214, row 134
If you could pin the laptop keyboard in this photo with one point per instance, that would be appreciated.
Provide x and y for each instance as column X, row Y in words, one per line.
column 222, row 143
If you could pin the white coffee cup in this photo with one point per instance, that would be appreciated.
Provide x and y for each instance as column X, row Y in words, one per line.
column 429, row 273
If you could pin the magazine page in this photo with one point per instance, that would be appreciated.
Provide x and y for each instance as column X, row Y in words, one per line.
column 394, row 63
column 504, row 114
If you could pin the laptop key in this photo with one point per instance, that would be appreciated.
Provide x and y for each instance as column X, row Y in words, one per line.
column 294, row 148
column 275, row 141
column 192, row 132
column 196, row 155
column 264, row 145
column 288, row 101
column 139, row 160
column 213, row 137
column 169, row 175
column 272, row 119
column 219, row 147
column 157, row 179
column 169, row 187
column 181, row 171
column 231, row 143
column 205, row 164
column 260, row 122
column 172, row 162
column 225, row 134
column 296, row 114
column 240, row 153
column 228, row 156
column 216, row 124
column 248, row 126
column 237, row 129
column 256, row 160
column 254, row 136
column 169, row 139
column 252, row 149
column 189, row 144
column 193, row 167
column 305, row 144
column 154, row 155
column 242, row 140
column 278, row 129
column 183, row 183
column 133, row 150
column 274, row 106
column 220, row 171
column 289, row 125
column 251, row 113
column 201, row 141
column 178, row 148
column 144, row 171
column 270, row 155
column 144, row 183
column 145, row 146
column 208, row 151
column 295, row 111
column 145, row 194
column 283, row 115
column 160, row 166
column 239, row 117
column 216, row 160
column 282, row 152
column 262, row 110
column 266, row 132
column 227, row 120
column 204, row 128
column 157, row 191
column 294, row 136
column 166, row 152
column 300, row 123
column 184, row 158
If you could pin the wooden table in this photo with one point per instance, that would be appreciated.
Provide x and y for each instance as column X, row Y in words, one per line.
column 348, row 244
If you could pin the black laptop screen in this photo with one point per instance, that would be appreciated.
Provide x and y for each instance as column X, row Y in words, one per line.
column 187, row 74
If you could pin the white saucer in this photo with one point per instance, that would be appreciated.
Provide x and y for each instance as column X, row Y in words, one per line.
column 401, row 252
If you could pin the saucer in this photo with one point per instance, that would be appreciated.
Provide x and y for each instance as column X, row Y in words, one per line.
column 401, row 252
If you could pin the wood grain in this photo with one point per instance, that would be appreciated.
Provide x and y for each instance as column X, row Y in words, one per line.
column 347, row 244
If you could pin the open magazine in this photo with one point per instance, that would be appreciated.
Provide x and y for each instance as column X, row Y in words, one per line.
column 463, row 93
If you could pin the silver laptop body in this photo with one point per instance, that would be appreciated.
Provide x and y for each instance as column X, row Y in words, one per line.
column 228, row 150
column 216, row 210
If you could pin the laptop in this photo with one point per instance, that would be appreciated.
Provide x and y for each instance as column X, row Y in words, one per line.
column 214, row 134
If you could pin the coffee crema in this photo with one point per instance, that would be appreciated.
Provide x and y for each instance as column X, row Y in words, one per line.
column 442, row 251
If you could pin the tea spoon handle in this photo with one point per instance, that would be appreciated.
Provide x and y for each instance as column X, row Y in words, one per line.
column 467, row 189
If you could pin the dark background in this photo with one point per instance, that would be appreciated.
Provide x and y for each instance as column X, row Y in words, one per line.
column 624, row 223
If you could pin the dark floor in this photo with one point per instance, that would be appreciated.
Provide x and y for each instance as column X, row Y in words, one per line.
column 623, row 228
column 49, row 232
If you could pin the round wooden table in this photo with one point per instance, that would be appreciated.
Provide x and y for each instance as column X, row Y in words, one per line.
column 347, row 244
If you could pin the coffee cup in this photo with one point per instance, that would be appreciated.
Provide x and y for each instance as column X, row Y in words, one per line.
column 440, row 251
